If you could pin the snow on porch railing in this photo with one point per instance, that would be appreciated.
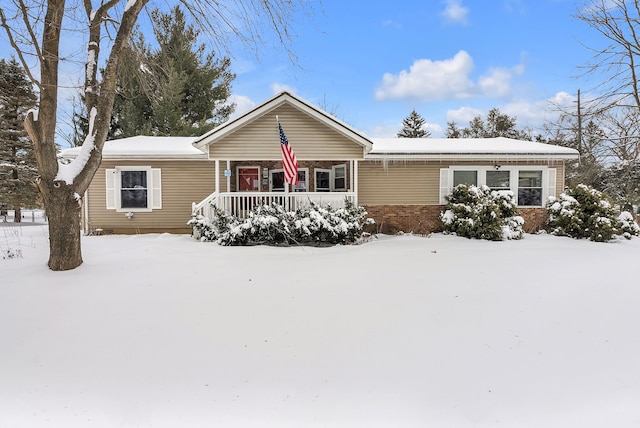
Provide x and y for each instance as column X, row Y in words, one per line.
column 240, row 204
column 203, row 208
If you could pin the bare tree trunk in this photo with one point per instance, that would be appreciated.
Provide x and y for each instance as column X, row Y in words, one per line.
column 17, row 213
column 63, row 212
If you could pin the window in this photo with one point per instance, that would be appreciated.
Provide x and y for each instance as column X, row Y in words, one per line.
column 465, row 177
column 323, row 180
column 498, row 180
column 277, row 183
column 133, row 188
column 530, row 188
column 303, row 184
column 340, row 177
column 276, row 180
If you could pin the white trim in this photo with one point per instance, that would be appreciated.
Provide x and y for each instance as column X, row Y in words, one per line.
column 482, row 177
column 154, row 188
column 248, row 167
column 315, row 179
column 333, row 177
column 354, row 177
column 110, row 180
column 444, row 185
column 306, row 180
column 275, row 171
column 551, row 183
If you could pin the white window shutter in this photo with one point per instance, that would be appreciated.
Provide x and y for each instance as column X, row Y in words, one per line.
column 444, row 184
column 551, row 182
column 111, row 177
column 156, row 189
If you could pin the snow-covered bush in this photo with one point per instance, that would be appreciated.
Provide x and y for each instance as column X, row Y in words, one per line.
column 273, row 225
column 482, row 213
column 584, row 212
column 628, row 225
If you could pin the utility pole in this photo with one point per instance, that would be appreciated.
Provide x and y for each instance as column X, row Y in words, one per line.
column 579, row 125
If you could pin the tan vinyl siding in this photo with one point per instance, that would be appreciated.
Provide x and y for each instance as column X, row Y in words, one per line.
column 560, row 183
column 398, row 184
column 417, row 182
column 183, row 182
column 309, row 138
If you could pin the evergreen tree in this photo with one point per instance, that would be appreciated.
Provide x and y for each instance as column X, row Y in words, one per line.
column 17, row 160
column 453, row 131
column 412, row 127
column 496, row 125
column 176, row 89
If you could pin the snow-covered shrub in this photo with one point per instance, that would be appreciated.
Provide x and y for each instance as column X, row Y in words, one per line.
column 482, row 213
column 584, row 212
column 627, row 225
column 273, row 225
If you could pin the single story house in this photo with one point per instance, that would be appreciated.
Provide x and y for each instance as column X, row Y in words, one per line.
column 155, row 184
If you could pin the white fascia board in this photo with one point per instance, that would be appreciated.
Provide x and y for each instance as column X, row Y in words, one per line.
column 472, row 156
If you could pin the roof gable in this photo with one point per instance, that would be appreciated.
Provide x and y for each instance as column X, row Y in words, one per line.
column 275, row 103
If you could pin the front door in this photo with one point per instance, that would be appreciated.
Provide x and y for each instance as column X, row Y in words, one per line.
column 248, row 179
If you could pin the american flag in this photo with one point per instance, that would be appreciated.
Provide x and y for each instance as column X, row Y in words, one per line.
column 289, row 160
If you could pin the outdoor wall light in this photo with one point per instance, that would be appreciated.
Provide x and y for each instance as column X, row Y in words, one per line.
column 497, row 167
column 129, row 215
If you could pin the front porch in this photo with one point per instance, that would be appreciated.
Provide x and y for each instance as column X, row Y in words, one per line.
column 240, row 204
column 253, row 183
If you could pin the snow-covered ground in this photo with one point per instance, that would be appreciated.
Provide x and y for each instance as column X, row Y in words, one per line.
column 406, row 331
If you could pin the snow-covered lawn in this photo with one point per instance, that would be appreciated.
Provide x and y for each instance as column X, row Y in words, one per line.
column 406, row 331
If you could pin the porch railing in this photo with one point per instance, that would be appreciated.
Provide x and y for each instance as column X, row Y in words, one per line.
column 240, row 204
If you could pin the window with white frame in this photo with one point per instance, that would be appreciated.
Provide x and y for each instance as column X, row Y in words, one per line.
column 498, row 180
column 303, row 180
column 322, row 180
column 339, row 177
column 530, row 188
column 133, row 188
column 468, row 177
column 276, row 180
column 277, row 183
column 530, row 185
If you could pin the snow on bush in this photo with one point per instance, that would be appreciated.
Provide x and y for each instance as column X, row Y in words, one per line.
column 273, row 225
column 584, row 212
column 482, row 213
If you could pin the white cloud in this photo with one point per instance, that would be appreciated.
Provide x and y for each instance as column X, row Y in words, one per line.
column 463, row 115
column 384, row 130
column 496, row 84
column 429, row 80
column 243, row 105
column 529, row 114
column 449, row 79
column 454, row 12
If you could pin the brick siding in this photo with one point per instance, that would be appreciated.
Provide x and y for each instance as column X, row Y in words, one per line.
column 425, row 219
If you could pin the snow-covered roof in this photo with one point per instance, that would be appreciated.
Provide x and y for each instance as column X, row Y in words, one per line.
column 466, row 148
column 141, row 146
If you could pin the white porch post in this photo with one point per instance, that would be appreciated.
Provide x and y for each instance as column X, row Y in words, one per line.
column 217, row 186
column 229, row 177
column 354, row 179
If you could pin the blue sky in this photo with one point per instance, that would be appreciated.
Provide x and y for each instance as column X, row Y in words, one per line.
column 370, row 63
